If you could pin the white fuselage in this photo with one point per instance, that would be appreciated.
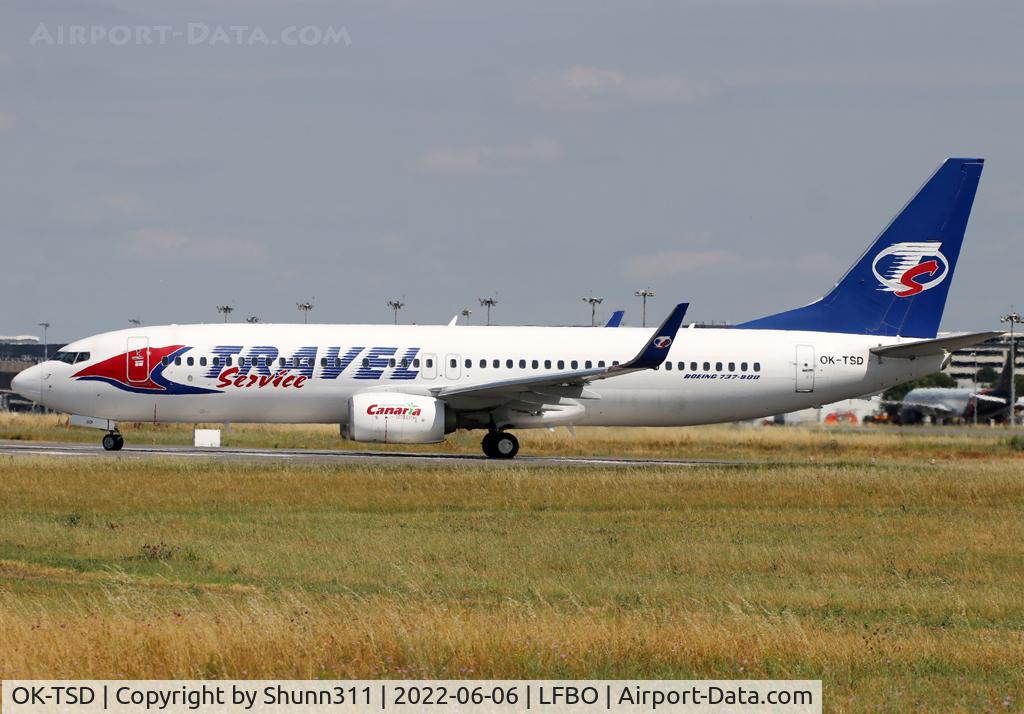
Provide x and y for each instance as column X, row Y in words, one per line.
column 726, row 374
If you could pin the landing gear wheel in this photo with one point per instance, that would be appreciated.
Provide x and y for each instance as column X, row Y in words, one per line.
column 113, row 442
column 488, row 445
column 506, row 445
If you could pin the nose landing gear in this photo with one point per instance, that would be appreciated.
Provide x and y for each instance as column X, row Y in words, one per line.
column 500, row 445
column 113, row 441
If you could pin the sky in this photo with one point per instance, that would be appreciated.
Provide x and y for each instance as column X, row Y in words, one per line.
column 739, row 155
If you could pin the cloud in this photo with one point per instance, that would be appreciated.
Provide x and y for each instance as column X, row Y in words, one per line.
column 467, row 160
column 148, row 243
column 587, row 81
column 479, row 159
column 674, row 262
column 111, row 205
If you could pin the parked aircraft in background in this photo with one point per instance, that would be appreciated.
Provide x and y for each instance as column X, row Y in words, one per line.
column 877, row 327
column 945, row 403
column 616, row 319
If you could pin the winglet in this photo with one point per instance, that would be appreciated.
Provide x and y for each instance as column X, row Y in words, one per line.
column 616, row 319
column 656, row 349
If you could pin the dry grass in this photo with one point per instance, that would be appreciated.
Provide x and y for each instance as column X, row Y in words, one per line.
column 809, row 444
column 898, row 584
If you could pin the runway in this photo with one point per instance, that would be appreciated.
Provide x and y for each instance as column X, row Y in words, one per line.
column 321, row 456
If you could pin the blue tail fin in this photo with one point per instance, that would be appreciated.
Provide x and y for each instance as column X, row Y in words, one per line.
column 899, row 286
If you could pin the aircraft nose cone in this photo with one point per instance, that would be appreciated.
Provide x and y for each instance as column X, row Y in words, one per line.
column 26, row 383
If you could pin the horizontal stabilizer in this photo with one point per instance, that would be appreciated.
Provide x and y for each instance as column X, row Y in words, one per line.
column 931, row 348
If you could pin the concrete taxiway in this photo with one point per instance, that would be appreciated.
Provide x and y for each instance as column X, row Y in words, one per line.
column 320, row 456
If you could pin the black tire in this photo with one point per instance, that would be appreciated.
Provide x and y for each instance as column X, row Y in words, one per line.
column 488, row 445
column 120, row 442
column 506, row 446
column 109, row 442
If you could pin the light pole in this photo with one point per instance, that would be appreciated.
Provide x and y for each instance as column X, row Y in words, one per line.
column 1014, row 318
column 488, row 303
column 226, row 310
column 974, row 381
column 466, row 312
column 304, row 308
column 46, row 345
column 594, row 302
column 396, row 305
column 645, row 293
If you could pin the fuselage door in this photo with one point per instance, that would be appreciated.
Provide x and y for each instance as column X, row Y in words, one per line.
column 138, row 360
column 429, row 370
column 452, row 367
column 805, row 368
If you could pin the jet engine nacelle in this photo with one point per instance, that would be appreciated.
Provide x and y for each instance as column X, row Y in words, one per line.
column 395, row 418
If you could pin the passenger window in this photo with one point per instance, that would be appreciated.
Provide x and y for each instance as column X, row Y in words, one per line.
column 228, row 361
column 757, row 366
column 404, row 363
column 483, row 364
column 430, row 363
column 202, row 361
column 588, row 364
column 547, row 364
column 574, row 364
column 177, row 361
column 561, row 364
column 469, row 363
column 615, row 363
column 668, row 366
column 452, row 363
column 416, row 363
column 681, row 366
column 391, row 362
column 732, row 366
column 164, row 361
column 534, row 364
column 191, row 361
column 366, row 362
column 718, row 366
column 600, row 363
column 693, row 366
column 496, row 363
column 522, row 364
column 508, row 364
column 281, row 362
column 323, row 361
column 707, row 366
column 743, row 366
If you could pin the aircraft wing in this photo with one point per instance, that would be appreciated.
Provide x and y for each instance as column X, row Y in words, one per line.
column 931, row 348
column 567, row 384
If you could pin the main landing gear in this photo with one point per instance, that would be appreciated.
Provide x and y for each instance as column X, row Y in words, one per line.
column 500, row 445
column 113, row 441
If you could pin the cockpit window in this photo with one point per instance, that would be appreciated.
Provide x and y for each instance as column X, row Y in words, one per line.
column 70, row 357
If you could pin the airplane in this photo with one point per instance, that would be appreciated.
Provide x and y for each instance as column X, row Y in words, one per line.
column 413, row 384
column 616, row 319
column 941, row 403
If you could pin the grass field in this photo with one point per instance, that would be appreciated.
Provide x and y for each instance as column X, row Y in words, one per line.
column 888, row 564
